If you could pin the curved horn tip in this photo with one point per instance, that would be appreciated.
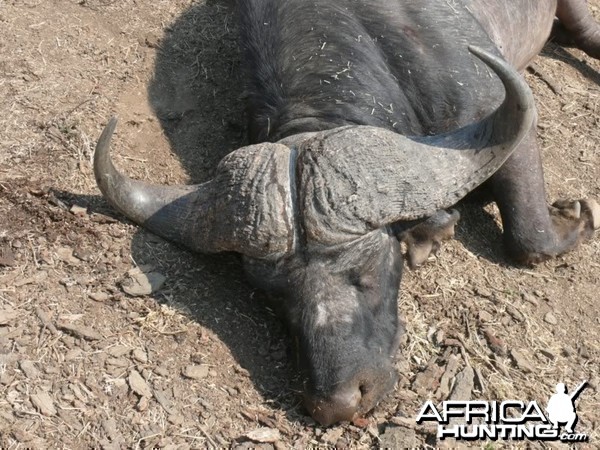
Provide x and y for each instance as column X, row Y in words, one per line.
column 479, row 51
column 497, row 63
column 103, row 145
column 512, row 80
column 108, row 131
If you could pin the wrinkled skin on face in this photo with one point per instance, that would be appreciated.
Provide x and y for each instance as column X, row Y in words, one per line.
column 341, row 304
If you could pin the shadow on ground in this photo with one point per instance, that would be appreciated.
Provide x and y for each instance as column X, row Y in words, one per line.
column 196, row 94
column 561, row 54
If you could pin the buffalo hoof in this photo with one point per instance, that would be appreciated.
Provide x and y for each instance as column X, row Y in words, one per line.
column 573, row 223
column 425, row 239
column 581, row 216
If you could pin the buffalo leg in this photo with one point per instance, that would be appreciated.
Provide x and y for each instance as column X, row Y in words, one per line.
column 532, row 231
column 577, row 27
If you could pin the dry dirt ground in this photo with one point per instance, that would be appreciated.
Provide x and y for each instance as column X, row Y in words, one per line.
column 201, row 362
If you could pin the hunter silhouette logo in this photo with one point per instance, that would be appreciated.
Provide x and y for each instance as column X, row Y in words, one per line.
column 508, row 420
column 561, row 407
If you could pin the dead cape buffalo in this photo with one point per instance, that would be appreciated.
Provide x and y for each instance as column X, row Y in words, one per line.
column 368, row 119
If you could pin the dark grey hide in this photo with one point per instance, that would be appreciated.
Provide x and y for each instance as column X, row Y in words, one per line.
column 320, row 202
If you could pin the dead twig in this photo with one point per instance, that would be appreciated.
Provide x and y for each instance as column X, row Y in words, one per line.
column 535, row 70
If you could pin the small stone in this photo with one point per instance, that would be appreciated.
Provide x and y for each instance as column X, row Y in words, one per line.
column 29, row 369
column 547, row 353
column 117, row 362
column 7, row 316
column 196, row 372
column 551, row 319
column 515, row 313
column 428, row 379
column 162, row 371
column 7, row 257
column 52, row 370
column 333, row 435
column 79, row 211
column 151, row 40
column 163, row 400
column 67, row 282
column 110, row 427
column 143, row 404
column 568, row 351
column 6, row 419
column 496, row 344
column 439, row 337
column 65, row 254
column 253, row 446
column 449, row 374
column 98, row 296
column 138, row 384
column 139, row 283
column 529, row 298
column 80, row 331
column 118, row 350
column 82, row 254
column 403, row 421
column 37, row 278
column 22, row 436
column 140, row 355
column 5, row 378
column 103, row 219
column 197, row 358
column 44, row 403
column 483, row 292
column 398, row 437
column 175, row 419
column 119, row 383
column 584, row 352
column 463, row 387
column 264, row 434
column 73, row 354
column 485, row 316
column 522, row 362
column 13, row 397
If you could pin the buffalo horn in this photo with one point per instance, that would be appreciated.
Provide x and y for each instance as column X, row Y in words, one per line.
column 245, row 208
column 356, row 179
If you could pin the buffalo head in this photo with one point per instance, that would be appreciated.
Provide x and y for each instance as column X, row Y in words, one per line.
column 313, row 217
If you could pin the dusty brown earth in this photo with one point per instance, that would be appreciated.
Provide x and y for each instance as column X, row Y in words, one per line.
column 201, row 362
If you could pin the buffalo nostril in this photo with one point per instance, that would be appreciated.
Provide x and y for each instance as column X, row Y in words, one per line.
column 363, row 390
column 342, row 405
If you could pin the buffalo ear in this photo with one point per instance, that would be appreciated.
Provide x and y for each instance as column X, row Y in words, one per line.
column 425, row 238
